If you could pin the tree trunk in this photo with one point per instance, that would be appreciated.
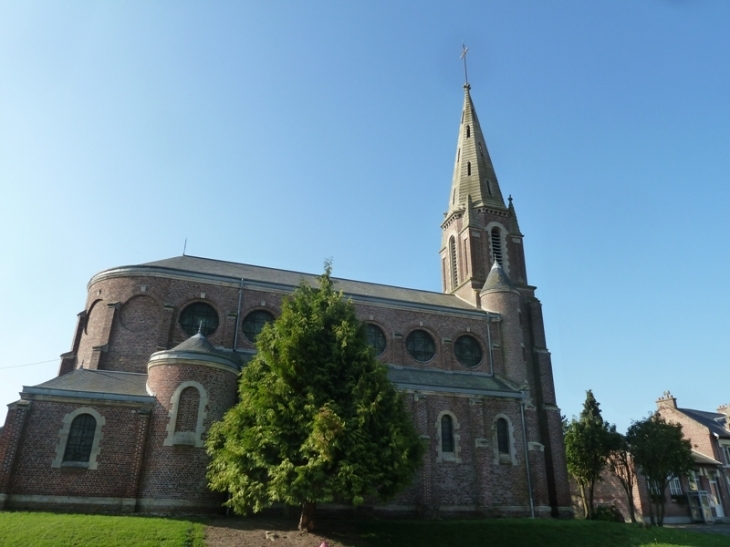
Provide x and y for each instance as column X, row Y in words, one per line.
column 306, row 521
column 591, row 486
column 584, row 499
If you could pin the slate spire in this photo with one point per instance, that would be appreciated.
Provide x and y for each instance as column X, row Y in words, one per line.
column 473, row 171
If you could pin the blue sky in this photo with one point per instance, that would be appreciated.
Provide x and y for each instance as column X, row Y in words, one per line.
column 283, row 133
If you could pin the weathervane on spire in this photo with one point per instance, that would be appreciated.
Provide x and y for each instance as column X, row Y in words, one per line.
column 464, row 49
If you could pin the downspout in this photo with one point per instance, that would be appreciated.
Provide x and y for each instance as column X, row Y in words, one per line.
column 238, row 316
column 527, row 456
column 489, row 343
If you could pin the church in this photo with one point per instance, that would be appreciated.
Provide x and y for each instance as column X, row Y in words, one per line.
column 158, row 347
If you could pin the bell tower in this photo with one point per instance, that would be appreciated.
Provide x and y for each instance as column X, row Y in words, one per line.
column 478, row 228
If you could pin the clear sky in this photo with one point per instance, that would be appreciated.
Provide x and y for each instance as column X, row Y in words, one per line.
column 282, row 133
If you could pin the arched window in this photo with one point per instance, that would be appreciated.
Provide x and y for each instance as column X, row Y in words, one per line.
column 447, row 433
column 489, row 186
column 468, row 168
column 452, row 261
column 187, row 414
column 503, row 440
column 497, row 245
column 503, row 437
column 468, row 131
column 80, row 439
column 447, row 426
column 187, row 410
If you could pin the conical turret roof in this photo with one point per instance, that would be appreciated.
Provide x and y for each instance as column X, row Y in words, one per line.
column 497, row 280
column 473, row 170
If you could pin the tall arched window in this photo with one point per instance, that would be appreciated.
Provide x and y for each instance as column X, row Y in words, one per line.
column 468, row 168
column 503, row 436
column 452, row 261
column 80, row 439
column 447, row 433
column 497, row 245
column 468, row 131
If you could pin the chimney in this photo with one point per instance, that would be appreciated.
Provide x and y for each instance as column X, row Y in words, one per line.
column 667, row 400
column 725, row 409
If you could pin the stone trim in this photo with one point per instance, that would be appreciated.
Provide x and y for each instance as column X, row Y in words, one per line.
column 66, row 428
column 185, row 437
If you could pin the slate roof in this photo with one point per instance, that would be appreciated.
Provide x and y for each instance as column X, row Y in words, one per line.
column 497, row 280
column 450, row 382
column 95, row 384
column 233, row 271
column 714, row 421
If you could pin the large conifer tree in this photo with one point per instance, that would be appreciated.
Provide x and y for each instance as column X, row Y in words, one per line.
column 587, row 446
column 318, row 420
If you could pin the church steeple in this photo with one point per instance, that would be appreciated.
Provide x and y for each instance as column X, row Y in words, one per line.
column 479, row 229
column 473, row 170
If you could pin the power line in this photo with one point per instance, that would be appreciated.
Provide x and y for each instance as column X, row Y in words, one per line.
column 30, row 364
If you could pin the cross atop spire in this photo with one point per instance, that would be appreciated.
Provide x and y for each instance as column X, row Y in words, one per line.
column 464, row 50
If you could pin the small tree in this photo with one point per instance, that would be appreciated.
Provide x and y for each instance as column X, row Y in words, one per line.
column 318, row 420
column 587, row 444
column 661, row 451
column 621, row 464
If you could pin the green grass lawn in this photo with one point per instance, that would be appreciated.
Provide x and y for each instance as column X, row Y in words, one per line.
column 524, row 533
column 49, row 529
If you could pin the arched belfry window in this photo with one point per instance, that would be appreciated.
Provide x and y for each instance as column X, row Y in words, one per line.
column 447, row 433
column 468, row 168
column 452, row 262
column 497, row 245
column 468, row 131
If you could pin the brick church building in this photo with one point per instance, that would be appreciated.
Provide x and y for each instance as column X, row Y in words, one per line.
column 158, row 347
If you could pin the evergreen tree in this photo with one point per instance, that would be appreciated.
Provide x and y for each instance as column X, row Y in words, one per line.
column 587, row 445
column 661, row 451
column 318, row 420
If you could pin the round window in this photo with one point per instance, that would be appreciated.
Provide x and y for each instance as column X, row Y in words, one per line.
column 254, row 323
column 375, row 337
column 420, row 346
column 199, row 316
column 468, row 352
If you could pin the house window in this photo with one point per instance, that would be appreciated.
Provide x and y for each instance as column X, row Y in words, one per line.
column 420, row 346
column 375, row 337
column 726, row 453
column 693, row 481
column 447, row 433
column 675, row 487
column 80, row 439
column 199, row 317
column 467, row 350
column 254, row 323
